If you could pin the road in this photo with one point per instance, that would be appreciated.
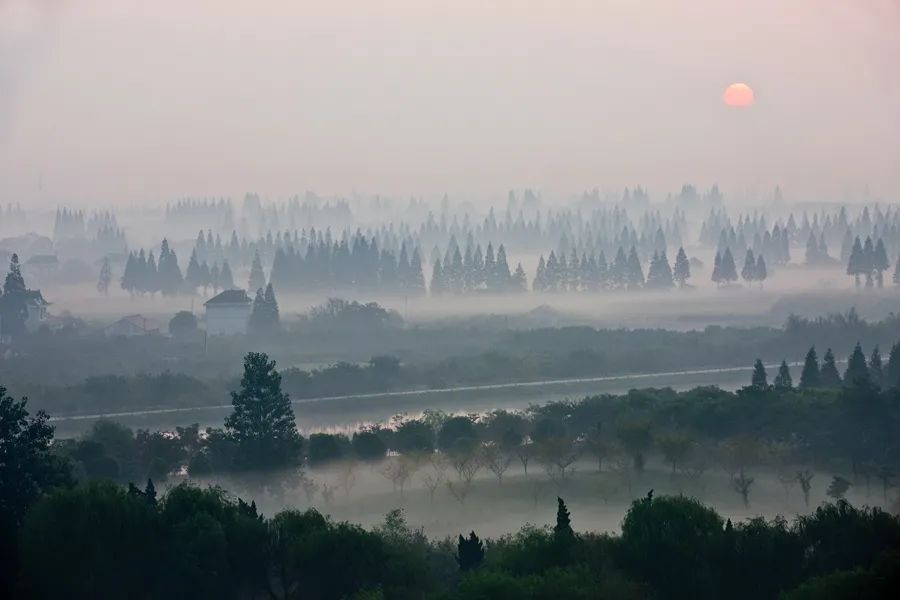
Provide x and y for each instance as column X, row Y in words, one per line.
column 350, row 411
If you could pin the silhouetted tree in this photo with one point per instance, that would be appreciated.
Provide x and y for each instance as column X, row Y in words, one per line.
column 759, row 380
column 469, row 552
column 783, row 379
column 262, row 420
column 809, row 377
column 829, row 375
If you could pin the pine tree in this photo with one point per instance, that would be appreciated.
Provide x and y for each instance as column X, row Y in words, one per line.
column 438, row 287
column 150, row 492
column 469, row 552
column 891, row 377
column 129, row 275
column 682, row 268
column 728, row 269
column 868, row 261
column 829, row 375
column 262, row 420
column 759, row 380
column 783, row 380
column 897, row 272
column 563, row 527
column 857, row 373
column 13, row 304
column 226, row 279
column 880, row 262
column 192, row 275
column 717, row 270
column 809, row 377
column 416, row 277
column 761, row 272
column 618, row 271
column 856, row 261
column 519, row 279
column 748, row 273
column 875, row 368
column 257, row 276
column 105, row 278
column 635, row 272
column 501, row 271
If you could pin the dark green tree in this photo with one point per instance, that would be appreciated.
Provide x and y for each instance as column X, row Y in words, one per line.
column 27, row 471
column 257, row 279
column 759, row 380
column 857, row 373
column 876, row 373
column 830, row 376
column 682, row 271
column 13, row 304
column 892, row 372
column 838, row 487
column 183, row 324
column 262, row 420
column 783, row 379
column 563, row 527
column 809, row 377
column 469, row 552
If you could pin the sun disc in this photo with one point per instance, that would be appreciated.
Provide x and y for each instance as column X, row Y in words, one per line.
column 738, row 95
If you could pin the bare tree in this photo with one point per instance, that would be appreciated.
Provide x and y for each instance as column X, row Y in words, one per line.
column 309, row 487
column 437, row 476
column 347, row 476
column 525, row 451
column 399, row 470
column 805, row 479
column 496, row 460
column 557, row 455
column 741, row 485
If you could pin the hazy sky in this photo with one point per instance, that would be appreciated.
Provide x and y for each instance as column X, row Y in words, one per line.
column 121, row 101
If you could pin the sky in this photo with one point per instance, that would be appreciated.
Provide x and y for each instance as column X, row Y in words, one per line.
column 119, row 102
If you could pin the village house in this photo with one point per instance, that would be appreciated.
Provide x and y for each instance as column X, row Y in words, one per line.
column 228, row 312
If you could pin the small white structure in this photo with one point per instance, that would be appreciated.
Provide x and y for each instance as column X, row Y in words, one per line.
column 228, row 312
column 132, row 326
column 37, row 310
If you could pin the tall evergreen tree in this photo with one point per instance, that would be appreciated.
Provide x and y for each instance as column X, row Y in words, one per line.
column 809, row 377
column 635, row 273
column 105, row 278
column 761, row 271
column 891, row 377
column 226, row 279
column 856, row 262
column 14, row 302
column 257, row 276
column 829, row 375
column 748, row 273
column 728, row 269
column 783, row 380
column 759, row 380
column 880, row 262
column 682, row 268
column 857, row 373
column 469, row 552
column 563, row 527
column 438, row 287
column 262, row 421
column 875, row 368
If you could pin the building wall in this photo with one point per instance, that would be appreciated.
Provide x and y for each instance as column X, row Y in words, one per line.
column 229, row 319
column 37, row 314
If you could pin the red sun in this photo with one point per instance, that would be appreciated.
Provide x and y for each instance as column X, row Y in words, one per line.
column 738, row 95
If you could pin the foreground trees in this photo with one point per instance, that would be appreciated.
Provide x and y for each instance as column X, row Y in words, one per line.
column 202, row 543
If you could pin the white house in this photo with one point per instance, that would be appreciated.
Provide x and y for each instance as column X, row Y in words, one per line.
column 228, row 312
column 37, row 310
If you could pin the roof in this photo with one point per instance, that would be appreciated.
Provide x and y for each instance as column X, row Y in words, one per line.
column 138, row 322
column 36, row 297
column 43, row 259
column 229, row 297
